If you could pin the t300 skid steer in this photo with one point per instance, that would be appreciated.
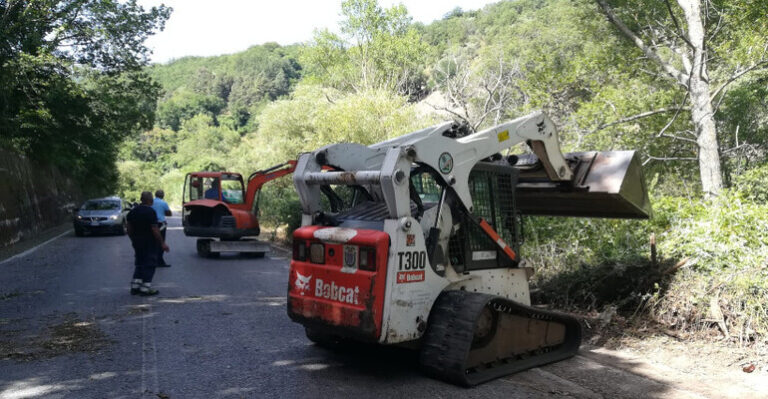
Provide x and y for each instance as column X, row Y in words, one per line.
column 414, row 241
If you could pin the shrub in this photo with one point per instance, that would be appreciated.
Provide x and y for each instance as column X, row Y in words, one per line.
column 712, row 257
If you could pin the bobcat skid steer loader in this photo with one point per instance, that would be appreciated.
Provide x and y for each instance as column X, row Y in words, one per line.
column 414, row 241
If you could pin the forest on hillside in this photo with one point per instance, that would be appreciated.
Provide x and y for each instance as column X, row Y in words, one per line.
column 684, row 83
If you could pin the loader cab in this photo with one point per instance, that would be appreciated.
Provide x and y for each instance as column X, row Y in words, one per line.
column 492, row 186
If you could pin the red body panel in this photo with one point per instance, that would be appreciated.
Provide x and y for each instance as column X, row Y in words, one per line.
column 244, row 218
column 324, row 295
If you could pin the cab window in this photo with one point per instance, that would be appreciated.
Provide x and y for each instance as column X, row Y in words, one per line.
column 232, row 191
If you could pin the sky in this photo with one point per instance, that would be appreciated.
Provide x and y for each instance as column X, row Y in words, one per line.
column 206, row 27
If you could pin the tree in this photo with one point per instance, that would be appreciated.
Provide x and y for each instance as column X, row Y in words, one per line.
column 72, row 81
column 702, row 47
column 185, row 104
column 475, row 95
column 379, row 49
column 105, row 34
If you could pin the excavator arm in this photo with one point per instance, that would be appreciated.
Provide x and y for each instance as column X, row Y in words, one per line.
column 261, row 177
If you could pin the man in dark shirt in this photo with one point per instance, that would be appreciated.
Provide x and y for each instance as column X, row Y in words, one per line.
column 147, row 242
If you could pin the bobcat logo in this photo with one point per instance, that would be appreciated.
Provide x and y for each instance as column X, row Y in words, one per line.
column 302, row 282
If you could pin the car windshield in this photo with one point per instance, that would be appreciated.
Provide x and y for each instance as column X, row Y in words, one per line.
column 101, row 205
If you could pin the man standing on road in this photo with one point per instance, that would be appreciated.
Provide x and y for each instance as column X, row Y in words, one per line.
column 162, row 210
column 146, row 239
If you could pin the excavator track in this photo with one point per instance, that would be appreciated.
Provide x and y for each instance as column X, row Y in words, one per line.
column 472, row 338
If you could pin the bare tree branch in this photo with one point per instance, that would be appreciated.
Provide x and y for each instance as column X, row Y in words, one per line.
column 639, row 116
column 472, row 97
column 680, row 77
column 737, row 75
column 738, row 147
column 652, row 158
column 674, row 117
column 671, row 136
column 450, row 111
column 683, row 57
column 677, row 25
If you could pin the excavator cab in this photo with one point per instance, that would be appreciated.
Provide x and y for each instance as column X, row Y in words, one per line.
column 227, row 187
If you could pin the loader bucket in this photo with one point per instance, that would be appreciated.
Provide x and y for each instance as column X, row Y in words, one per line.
column 606, row 184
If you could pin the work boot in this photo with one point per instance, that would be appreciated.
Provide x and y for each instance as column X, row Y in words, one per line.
column 146, row 290
column 135, row 285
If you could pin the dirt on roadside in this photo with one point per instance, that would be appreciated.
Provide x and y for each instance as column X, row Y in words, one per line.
column 727, row 368
column 61, row 335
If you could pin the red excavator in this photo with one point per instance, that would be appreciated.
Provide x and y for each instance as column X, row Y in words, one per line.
column 225, row 215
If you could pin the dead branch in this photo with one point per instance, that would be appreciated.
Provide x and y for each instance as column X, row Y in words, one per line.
column 679, row 32
column 650, row 158
column 639, row 116
column 680, row 77
column 758, row 65
column 671, row 136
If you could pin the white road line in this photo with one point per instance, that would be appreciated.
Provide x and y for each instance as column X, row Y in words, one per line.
column 143, row 387
column 35, row 248
column 148, row 343
column 154, row 360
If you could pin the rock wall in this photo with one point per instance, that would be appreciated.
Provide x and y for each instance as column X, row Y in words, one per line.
column 33, row 198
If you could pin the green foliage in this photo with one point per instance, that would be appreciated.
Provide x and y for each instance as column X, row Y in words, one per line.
column 136, row 177
column 379, row 50
column 736, row 44
column 72, row 84
column 185, row 104
column 202, row 145
column 107, row 35
column 231, row 88
column 706, row 250
column 453, row 31
column 315, row 116
column 279, row 206
column 751, row 185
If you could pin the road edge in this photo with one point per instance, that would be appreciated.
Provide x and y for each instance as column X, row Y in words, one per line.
column 26, row 247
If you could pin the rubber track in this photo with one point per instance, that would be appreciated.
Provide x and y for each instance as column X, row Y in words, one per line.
column 448, row 339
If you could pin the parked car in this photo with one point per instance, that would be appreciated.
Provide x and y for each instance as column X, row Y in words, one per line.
column 103, row 215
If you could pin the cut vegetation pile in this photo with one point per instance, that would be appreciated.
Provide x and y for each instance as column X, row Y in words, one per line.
column 710, row 273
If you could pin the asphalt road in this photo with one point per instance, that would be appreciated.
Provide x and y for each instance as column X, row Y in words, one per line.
column 218, row 329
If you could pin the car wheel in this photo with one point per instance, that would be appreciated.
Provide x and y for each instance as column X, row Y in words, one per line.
column 123, row 229
column 79, row 232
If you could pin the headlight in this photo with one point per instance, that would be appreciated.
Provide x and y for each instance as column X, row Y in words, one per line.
column 79, row 217
column 113, row 217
